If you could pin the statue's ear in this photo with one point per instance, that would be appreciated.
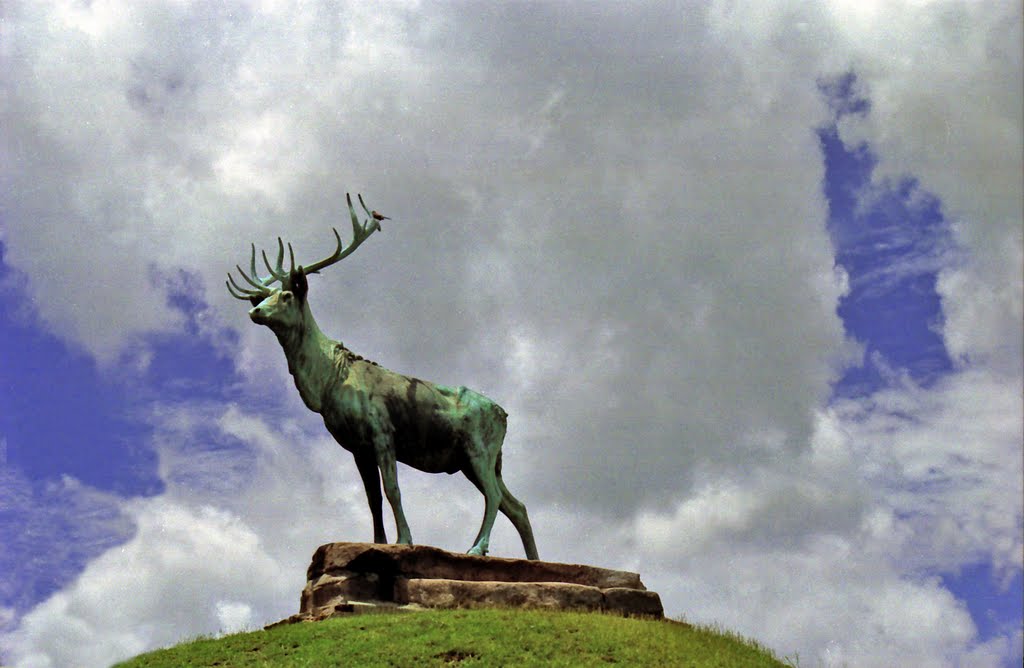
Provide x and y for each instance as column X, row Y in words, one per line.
column 299, row 286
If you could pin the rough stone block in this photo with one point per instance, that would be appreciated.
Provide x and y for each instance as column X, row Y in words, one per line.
column 475, row 594
column 427, row 562
column 633, row 602
column 333, row 589
column 345, row 578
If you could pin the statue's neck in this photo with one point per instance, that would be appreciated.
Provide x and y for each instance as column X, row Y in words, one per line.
column 309, row 353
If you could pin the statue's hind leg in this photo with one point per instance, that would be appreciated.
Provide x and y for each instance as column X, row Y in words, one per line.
column 482, row 475
column 511, row 507
column 514, row 509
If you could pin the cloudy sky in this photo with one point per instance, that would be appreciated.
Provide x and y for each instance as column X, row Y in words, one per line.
column 745, row 275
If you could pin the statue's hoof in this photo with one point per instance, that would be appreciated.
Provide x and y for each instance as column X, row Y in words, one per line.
column 477, row 551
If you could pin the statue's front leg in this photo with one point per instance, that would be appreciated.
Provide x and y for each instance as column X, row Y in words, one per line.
column 367, row 465
column 389, row 476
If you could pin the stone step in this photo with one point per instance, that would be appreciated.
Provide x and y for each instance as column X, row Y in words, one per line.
column 425, row 562
column 438, row 593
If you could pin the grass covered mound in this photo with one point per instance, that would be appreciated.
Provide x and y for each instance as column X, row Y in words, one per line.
column 464, row 638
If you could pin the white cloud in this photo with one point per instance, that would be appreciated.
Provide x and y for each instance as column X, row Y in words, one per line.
column 234, row 616
column 223, row 549
column 948, row 460
column 942, row 108
column 609, row 219
column 871, row 617
column 181, row 563
column 983, row 303
column 836, row 562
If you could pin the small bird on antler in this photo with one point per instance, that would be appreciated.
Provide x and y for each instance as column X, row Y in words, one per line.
column 378, row 216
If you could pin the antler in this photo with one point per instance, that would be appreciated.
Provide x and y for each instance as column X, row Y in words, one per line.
column 261, row 286
column 360, row 233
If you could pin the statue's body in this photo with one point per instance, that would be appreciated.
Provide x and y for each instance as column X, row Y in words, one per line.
column 380, row 416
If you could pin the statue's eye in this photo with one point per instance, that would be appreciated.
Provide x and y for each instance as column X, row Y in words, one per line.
column 286, row 296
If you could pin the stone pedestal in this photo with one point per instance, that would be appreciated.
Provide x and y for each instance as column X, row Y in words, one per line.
column 349, row 577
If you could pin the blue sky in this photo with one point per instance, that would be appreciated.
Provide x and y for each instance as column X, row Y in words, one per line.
column 749, row 289
column 893, row 312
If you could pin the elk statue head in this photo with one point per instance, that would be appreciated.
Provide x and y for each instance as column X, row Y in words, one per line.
column 284, row 308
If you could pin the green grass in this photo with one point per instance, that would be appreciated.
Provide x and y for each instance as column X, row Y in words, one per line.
column 464, row 638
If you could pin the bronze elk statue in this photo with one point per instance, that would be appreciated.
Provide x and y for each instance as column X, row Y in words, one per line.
column 380, row 416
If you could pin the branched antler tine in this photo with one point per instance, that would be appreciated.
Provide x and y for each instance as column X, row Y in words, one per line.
column 245, row 292
column 240, row 289
column 357, row 229
column 359, row 234
column 372, row 223
column 266, row 261
column 252, row 265
column 232, row 290
column 291, row 257
column 327, row 261
column 368, row 212
column 261, row 285
column 251, row 281
column 242, row 293
column 276, row 274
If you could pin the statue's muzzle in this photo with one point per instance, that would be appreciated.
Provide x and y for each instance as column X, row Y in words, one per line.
column 258, row 315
